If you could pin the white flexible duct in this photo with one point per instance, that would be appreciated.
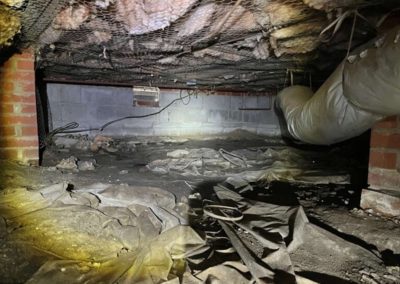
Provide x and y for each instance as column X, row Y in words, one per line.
column 363, row 89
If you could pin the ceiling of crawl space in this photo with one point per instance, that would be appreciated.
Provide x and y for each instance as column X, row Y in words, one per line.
column 251, row 45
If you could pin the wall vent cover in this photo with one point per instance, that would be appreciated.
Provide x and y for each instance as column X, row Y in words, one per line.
column 146, row 96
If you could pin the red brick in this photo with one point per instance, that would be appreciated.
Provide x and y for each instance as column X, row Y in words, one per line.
column 11, row 154
column 9, row 64
column 28, row 54
column 390, row 122
column 28, row 87
column 7, row 131
column 25, row 65
column 6, row 87
column 12, row 120
column 385, row 140
column 29, row 131
column 382, row 159
column 31, row 154
column 25, row 143
column 6, row 109
column 20, row 76
column 384, row 179
column 18, row 99
column 17, row 142
column 27, row 109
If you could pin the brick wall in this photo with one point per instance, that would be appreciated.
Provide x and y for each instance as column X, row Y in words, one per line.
column 384, row 160
column 18, row 121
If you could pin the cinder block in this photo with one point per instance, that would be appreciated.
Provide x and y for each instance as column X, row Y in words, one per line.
column 252, row 117
column 54, row 93
column 168, row 97
column 187, row 115
column 136, row 123
column 105, row 113
column 236, row 103
column 166, row 130
column 101, row 96
column 55, row 110
column 250, row 102
column 70, row 94
column 264, row 102
column 236, row 116
column 192, row 102
column 218, row 116
column 386, row 202
column 217, row 102
column 73, row 112
column 136, row 131
column 269, row 130
column 122, row 96
column 267, row 117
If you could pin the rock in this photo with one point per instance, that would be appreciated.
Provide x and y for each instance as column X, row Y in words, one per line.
column 87, row 165
column 102, row 142
column 176, row 140
column 110, row 149
column 65, row 142
column 83, row 145
column 123, row 172
column 100, row 139
column 367, row 279
column 94, row 147
column 51, row 169
column 68, row 164
column 385, row 202
column 177, row 154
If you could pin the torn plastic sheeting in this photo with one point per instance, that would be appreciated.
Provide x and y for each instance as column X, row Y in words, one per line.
column 363, row 89
column 96, row 241
column 278, row 229
column 278, row 165
column 155, row 261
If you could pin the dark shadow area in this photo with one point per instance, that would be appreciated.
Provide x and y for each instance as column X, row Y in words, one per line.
column 390, row 258
column 323, row 278
column 43, row 115
column 346, row 237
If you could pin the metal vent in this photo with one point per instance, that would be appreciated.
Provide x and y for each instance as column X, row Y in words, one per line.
column 146, row 96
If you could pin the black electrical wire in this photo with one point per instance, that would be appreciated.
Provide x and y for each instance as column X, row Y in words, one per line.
column 71, row 127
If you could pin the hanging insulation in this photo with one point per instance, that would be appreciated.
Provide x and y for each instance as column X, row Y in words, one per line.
column 10, row 25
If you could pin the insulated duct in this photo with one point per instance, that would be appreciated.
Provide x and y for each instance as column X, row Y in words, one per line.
column 364, row 89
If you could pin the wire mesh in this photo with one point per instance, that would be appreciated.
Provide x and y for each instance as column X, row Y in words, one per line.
column 230, row 44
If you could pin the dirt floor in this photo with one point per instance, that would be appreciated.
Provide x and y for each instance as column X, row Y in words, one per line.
column 342, row 243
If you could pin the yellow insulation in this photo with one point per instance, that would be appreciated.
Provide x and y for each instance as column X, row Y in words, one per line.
column 10, row 25
column 12, row 3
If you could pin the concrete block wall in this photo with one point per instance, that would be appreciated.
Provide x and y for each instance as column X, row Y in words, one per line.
column 384, row 160
column 18, row 121
column 93, row 106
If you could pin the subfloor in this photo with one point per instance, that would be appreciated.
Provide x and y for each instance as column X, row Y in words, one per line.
column 334, row 242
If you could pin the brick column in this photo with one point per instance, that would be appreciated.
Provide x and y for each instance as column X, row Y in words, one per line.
column 18, row 120
column 383, row 194
column 384, row 159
